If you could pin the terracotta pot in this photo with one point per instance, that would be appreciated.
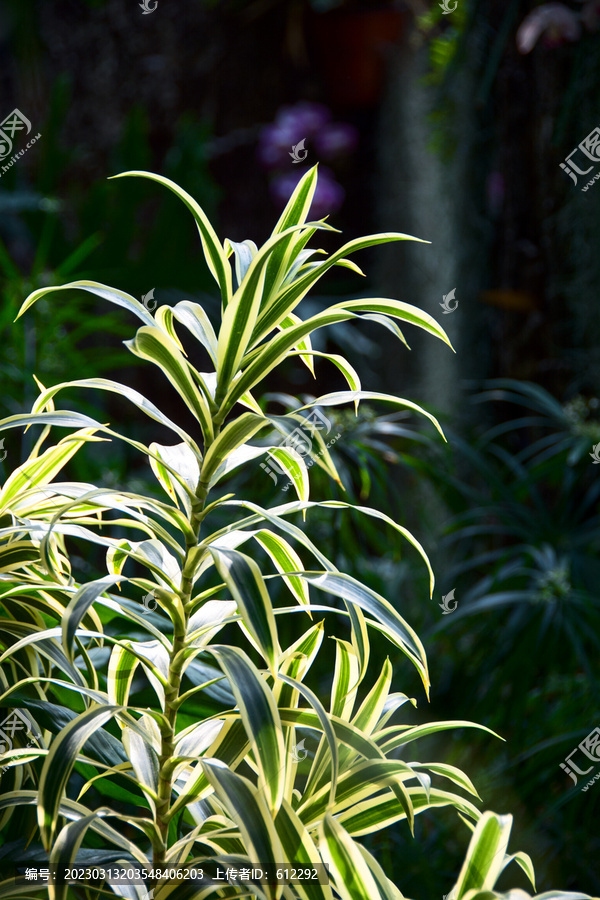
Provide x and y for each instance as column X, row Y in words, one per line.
column 350, row 53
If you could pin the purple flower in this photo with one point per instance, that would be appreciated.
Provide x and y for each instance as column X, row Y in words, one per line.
column 273, row 146
column 328, row 197
column 292, row 124
column 303, row 119
column 335, row 139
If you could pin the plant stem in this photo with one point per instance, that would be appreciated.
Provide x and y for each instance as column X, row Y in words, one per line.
column 172, row 691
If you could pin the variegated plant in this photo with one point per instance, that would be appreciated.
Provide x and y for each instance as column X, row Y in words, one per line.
column 211, row 772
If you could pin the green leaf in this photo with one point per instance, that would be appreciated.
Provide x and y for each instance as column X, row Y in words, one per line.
column 64, row 418
column 155, row 660
column 451, row 772
column 484, row 860
column 272, row 353
column 17, row 554
column 285, row 559
column 372, row 706
column 260, row 717
column 182, row 460
column 298, row 206
column 350, row 873
column 339, row 397
column 45, row 643
column 143, row 759
column 216, row 258
column 155, row 346
column 121, row 669
column 328, row 731
column 79, row 606
column 246, row 584
column 40, row 470
column 248, row 809
column 405, row 733
column 193, row 317
column 524, row 861
column 344, row 732
column 288, row 299
column 115, row 387
column 244, row 253
column 303, row 347
column 393, row 625
column 70, row 809
column 233, row 435
column 100, row 290
column 285, row 256
column 299, row 846
column 397, row 309
column 380, row 812
column 345, row 680
column 347, row 370
column 206, row 622
column 65, row 849
column 363, row 779
column 240, row 317
column 295, row 663
column 59, row 763
column 198, row 738
column 387, row 890
column 290, row 462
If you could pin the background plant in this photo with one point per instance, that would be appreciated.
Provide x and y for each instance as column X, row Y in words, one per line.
column 159, row 746
column 514, row 530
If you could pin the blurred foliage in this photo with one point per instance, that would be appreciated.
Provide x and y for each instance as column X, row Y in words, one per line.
column 519, row 543
column 44, row 214
column 518, row 537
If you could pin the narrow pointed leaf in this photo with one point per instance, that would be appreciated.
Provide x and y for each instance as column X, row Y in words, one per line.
column 392, row 623
column 285, row 559
column 233, row 436
column 155, row 346
column 350, row 874
column 260, row 717
column 100, row 290
column 216, row 258
column 59, row 764
column 246, row 584
column 79, row 606
column 193, row 317
column 248, row 809
column 485, row 855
